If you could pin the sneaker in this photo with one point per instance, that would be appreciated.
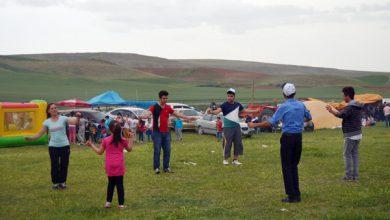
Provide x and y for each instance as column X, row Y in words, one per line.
column 157, row 171
column 168, row 170
column 56, row 186
column 107, row 205
column 291, row 200
column 121, row 206
column 62, row 185
column 346, row 178
column 236, row 163
column 225, row 162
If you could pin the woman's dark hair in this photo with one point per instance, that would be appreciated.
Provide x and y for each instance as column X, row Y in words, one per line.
column 48, row 109
column 116, row 134
column 162, row 93
column 349, row 91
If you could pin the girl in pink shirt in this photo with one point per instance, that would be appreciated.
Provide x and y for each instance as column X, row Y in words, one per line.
column 114, row 162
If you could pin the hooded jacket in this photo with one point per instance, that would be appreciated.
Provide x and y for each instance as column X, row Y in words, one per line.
column 352, row 119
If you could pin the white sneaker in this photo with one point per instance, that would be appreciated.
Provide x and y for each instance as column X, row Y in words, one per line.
column 225, row 162
column 107, row 205
column 236, row 163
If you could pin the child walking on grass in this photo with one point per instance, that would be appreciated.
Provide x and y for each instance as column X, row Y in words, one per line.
column 114, row 162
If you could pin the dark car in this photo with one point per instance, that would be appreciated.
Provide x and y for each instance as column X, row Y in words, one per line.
column 94, row 115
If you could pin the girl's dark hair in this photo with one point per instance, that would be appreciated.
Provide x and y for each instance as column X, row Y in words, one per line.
column 48, row 108
column 116, row 134
column 111, row 126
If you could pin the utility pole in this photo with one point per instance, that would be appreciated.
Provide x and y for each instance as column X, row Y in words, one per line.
column 253, row 92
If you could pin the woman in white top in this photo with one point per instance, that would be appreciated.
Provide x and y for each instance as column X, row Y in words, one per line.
column 59, row 149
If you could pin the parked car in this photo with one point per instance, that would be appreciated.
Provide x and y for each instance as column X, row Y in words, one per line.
column 178, row 106
column 265, row 112
column 132, row 112
column 187, row 125
column 208, row 125
column 94, row 115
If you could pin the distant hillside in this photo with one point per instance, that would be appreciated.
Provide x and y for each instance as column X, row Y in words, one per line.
column 54, row 77
column 128, row 60
column 202, row 71
column 273, row 69
column 88, row 68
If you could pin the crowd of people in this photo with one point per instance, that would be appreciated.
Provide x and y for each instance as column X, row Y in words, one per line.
column 118, row 134
column 86, row 129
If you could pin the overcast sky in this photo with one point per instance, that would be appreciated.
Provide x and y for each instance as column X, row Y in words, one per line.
column 349, row 34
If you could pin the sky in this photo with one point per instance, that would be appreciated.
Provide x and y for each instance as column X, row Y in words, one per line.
column 345, row 34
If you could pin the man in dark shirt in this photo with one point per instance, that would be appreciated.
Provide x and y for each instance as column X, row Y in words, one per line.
column 231, row 126
column 352, row 130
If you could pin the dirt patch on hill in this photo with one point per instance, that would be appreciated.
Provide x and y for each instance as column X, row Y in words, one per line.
column 207, row 74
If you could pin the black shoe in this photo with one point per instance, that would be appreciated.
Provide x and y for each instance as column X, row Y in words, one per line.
column 157, row 171
column 62, row 185
column 347, row 178
column 291, row 200
column 168, row 170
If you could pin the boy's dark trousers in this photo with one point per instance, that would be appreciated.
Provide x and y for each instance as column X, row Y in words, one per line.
column 141, row 136
column 290, row 154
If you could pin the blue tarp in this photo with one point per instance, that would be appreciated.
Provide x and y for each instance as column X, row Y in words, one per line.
column 140, row 104
column 106, row 99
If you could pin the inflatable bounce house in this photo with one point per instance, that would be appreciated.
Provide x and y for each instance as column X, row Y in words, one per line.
column 18, row 120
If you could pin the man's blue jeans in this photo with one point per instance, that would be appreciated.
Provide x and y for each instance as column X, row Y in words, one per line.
column 161, row 140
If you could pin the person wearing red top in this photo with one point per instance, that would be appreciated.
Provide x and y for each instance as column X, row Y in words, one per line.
column 161, row 137
column 141, row 131
column 219, row 128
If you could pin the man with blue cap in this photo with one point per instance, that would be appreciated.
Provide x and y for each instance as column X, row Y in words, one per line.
column 292, row 113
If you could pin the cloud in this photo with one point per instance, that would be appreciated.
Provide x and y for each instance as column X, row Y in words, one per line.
column 35, row 3
column 227, row 15
column 344, row 33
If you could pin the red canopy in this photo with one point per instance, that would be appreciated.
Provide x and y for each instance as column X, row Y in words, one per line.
column 73, row 103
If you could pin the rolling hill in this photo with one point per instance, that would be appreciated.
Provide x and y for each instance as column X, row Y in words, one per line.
column 27, row 76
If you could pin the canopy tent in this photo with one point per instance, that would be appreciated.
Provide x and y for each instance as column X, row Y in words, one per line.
column 363, row 99
column 73, row 103
column 320, row 116
column 107, row 99
column 140, row 104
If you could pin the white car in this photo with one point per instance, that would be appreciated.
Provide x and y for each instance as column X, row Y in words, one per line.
column 187, row 125
column 208, row 125
column 178, row 106
column 132, row 112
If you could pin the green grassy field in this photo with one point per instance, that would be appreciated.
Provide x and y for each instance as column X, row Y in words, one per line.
column 208, row 190
column 23, row 86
